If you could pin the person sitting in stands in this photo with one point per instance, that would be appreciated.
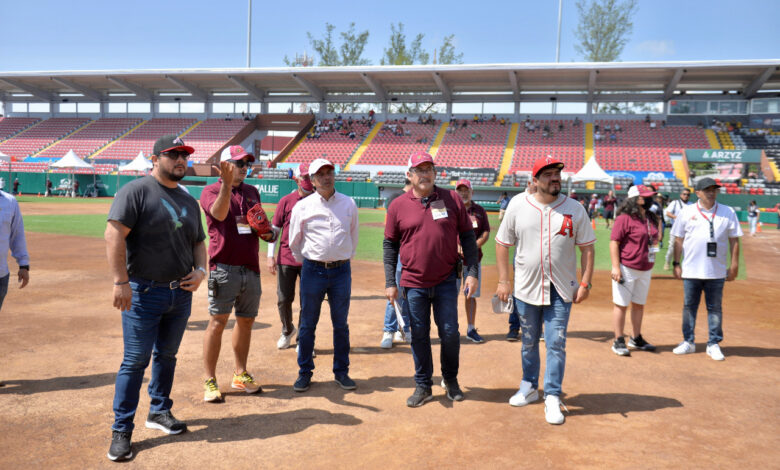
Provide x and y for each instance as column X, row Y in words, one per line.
column 612, row 137
column 351, row 134
column 531, row 128
column 618, row 128
column 476, row 119
column 502, row 121
column 465, row 123
column 493, row 119
column 652, row 124
column 560, row 127
column 607, row 128
column 647, row 118
column 597, row 136
column 576, row 122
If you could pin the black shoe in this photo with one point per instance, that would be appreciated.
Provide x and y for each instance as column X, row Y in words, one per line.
column 619, row 347
column 640, row 343
column 345, row 382
column 121, row 446
column 166, row 423
column 419, row 397
column 303, row 383
column 454, row 392
column 513, row 335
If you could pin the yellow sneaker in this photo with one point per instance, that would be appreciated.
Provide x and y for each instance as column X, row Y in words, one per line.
column 245, row 382
column 211, row 388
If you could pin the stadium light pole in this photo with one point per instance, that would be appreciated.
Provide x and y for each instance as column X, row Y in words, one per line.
column 249, row 37
column 557, row 46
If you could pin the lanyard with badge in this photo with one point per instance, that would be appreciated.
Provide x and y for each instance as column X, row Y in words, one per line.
column 242, row 224
column 651, row 249
column 712, row 245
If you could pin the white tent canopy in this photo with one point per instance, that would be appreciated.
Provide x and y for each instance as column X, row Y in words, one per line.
column 592, row 172
column 4, row 157
column 139, row 163
column 70, row 160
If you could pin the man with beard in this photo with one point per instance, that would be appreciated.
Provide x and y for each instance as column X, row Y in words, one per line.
column 424, row 226
column 545, row 228
column 157, row 258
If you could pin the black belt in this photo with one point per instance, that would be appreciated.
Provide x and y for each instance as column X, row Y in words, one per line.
column 329, row 264
column 172, row 285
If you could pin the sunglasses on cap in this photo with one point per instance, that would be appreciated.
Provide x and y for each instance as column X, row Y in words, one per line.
column 176, row 154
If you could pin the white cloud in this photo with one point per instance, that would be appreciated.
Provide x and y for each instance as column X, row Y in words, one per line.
column 656, row 49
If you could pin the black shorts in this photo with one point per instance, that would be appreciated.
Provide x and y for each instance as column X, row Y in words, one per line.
column 608, row 214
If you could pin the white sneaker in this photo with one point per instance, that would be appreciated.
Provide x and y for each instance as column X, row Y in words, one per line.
column 398, row 337
column 552, row 409
column 527, row 394
column 313, row 353
column 685, row 348
column 713, row 350
column 285, row 340
column 387, row 340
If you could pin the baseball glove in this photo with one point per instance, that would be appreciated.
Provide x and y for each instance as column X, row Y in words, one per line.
column 258, row 220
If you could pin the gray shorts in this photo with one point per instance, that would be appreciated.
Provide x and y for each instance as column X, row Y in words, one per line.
column 234, row 286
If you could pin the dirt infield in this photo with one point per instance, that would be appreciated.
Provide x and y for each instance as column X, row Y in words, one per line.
column 60, row 347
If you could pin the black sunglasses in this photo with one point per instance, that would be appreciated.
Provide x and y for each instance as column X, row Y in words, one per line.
column 241, row 164
column 176, row 154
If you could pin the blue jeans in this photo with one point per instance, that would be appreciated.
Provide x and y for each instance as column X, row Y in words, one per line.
column 713, row 295
column 555, row 318
column 155, row 323
column 4, row 288
column 444, row 300
column 391, row 320
column 316, row 281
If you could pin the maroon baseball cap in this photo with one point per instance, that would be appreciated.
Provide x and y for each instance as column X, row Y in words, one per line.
column 418, row 158
column 302, row 170
column 546, row 162
column 463, row 182
column 235, row 152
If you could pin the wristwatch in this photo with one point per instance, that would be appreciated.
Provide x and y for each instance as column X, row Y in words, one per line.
column 675, row 263
column 587, row 286
column 25, row 266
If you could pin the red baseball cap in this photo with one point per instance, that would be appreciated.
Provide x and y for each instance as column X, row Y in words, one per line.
column 640, row 190
column 302, row 170
column 546, row 162
column 418, row 158
column 463, row 182
column 235, row 152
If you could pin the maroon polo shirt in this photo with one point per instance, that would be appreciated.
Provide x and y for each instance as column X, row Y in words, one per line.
column 226, row 245
column 633, row 243
column 479, row 222
column 282, row 219
column 429, row 248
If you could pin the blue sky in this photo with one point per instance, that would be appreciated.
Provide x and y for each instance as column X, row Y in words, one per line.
column 147, row 34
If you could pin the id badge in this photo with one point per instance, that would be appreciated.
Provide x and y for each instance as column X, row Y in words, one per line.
column 438, row 210
column 474, row 222
column 712, row 249
column 651, row 253
column 243, row 225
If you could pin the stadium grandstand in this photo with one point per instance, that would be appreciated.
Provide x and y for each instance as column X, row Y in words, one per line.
column 663, row 123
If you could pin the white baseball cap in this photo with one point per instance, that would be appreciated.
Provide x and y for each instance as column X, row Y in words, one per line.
column 317, row 164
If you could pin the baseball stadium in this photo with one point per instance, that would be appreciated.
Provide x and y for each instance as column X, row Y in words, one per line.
column 69, row 140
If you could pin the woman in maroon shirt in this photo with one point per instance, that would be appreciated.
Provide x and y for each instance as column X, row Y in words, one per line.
column 632, row 247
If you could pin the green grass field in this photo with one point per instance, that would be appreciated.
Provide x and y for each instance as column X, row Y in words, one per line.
column 369, row 247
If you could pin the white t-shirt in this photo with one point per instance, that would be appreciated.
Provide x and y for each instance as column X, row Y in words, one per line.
column 546, row 237
column 692, row 224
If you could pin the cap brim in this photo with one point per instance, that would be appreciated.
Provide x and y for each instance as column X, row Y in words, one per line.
column 558, row 165
column 185, row 148
column 245, row 154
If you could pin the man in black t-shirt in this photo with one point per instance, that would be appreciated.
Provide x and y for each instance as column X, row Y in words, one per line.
column 157, row 257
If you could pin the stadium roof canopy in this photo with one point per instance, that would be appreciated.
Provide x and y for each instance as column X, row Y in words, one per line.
column 535, row 82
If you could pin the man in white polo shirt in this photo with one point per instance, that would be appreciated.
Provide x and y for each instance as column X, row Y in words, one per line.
column 705, row 231
column 545, row 227
column 672, row 211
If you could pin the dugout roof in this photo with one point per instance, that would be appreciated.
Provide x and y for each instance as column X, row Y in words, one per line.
column 573, row 82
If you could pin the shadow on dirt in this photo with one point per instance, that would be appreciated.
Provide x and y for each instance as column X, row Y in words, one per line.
column 56, row 384
column 248, row 427
column 617, row 403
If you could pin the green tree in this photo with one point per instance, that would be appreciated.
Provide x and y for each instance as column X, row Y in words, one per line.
column 447, row 53
column 399, row 53
column 329, row 54
column 604, row 29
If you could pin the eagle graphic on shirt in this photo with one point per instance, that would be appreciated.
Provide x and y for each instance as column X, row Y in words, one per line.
column 175, row 218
